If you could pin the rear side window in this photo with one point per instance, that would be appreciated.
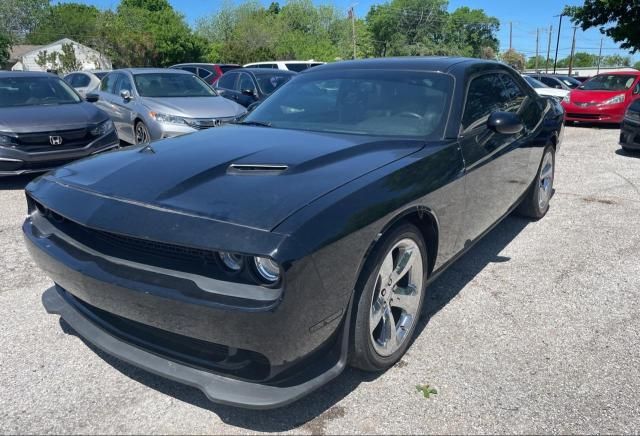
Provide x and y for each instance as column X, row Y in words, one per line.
column 227, row 81
column 203, row 73
column 81, row 80
column 297, row 67
column 245, row 83
column 550, row 81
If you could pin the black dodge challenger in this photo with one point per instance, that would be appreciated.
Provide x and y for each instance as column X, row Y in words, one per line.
column 255, row 261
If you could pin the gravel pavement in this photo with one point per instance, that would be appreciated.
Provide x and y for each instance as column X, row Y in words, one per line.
column 535, row 330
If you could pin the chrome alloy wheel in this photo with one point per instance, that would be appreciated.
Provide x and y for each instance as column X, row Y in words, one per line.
column 396, row 297
column 545, row 181
column 142, row 134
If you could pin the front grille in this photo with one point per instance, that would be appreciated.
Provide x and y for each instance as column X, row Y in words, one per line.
column 584, row 116
column 174, row 257
column 207, row 123
column 42, row 142
column 244, row 364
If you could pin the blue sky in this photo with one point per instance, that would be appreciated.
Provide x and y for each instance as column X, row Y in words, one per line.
column 526, row 16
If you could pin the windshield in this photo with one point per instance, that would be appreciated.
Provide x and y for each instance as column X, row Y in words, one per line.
column 534, row 83
column 270, row 81
column 35, row 91
column 609, row 82
column 366, row 102
column 171, row 85
column 570, row 81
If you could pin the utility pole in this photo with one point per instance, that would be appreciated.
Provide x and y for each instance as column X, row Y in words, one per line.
column 599, row 56
column 352, row 15
column 573, row 50
column 510, row 35
column 537, row 42
column 555, row 60
column 546, row 65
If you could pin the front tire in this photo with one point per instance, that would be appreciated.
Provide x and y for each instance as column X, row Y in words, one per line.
column 536, row 202
column 389, row 301
column 141, row 134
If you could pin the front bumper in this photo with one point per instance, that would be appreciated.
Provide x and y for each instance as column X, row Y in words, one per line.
column 594, row 114
column 217, row 388
column 230, row 348
column 630, row 135
column 15, row 162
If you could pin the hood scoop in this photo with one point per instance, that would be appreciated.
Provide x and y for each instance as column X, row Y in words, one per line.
column 257, row 169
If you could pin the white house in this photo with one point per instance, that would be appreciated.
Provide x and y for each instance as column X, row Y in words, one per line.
column 89, row 58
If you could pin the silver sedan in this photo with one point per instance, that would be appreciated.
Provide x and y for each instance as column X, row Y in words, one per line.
column 147, row 104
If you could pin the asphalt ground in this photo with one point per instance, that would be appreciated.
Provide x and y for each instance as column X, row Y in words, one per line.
column 535, row 330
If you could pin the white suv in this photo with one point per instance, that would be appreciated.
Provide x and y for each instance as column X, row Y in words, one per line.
column 296, row 66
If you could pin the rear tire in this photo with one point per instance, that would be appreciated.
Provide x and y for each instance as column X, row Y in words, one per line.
column 536, row 202
column 389, row 299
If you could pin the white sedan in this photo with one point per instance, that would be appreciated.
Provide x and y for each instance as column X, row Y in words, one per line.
column 545, row 90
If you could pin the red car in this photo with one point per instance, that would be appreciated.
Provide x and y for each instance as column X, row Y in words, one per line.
column 603, row 98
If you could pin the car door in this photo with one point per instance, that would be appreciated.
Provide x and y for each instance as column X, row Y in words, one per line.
column 492, row 159
column 246, row 90
column 124, row 108
column 105, row 93
column 226, row 86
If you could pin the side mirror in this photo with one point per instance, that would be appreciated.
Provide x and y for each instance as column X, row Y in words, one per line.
column 125, row 94
column 636, row 90
column 506, row 123
column 92, row 98
column 249, row 92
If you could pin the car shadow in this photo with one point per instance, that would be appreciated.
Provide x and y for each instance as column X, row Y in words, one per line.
column 314, row 408
column 11, row 183
column 632, row 154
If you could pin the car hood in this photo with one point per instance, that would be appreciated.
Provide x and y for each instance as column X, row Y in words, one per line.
column 195, row 107
column 192, row 174
column 28, row 119
column 552, row 92
column 584, row 96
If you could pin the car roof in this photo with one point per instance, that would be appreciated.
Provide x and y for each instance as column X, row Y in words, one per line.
column 265, row 71
column 617, row 73
column 429, row 63
column 26, row 74
column 203, row 64
column 135, row 71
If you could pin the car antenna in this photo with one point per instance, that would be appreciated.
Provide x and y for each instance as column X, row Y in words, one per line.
column 147, row 149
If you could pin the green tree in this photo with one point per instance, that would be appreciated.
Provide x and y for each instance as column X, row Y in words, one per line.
column 19, row 17
column 5, row 48
column 513, row 58
column 67, row 20
column 542, row 63
column 617, row 19
column 470, row 31
column 409, row 27
column 616, row 60
column 64, row 61
column 637, row 65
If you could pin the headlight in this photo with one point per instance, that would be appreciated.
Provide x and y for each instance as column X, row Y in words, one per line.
column 166, row 118
column 8, row 141
column 103, row 128
column 567, row 98
column 233, row 262
column 267, row 269
column 615, row 100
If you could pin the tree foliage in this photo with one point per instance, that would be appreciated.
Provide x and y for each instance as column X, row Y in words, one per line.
column 64, row 61
column 19, row 17
column 424, row 27
column 617, row 19
column 513, row 58
column 5, row 48
column 67, row 20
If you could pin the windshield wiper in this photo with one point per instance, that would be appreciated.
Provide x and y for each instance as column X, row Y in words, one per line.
column 254, row 123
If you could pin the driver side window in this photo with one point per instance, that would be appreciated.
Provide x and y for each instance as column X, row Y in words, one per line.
column 245, row 83
column 485, row 95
